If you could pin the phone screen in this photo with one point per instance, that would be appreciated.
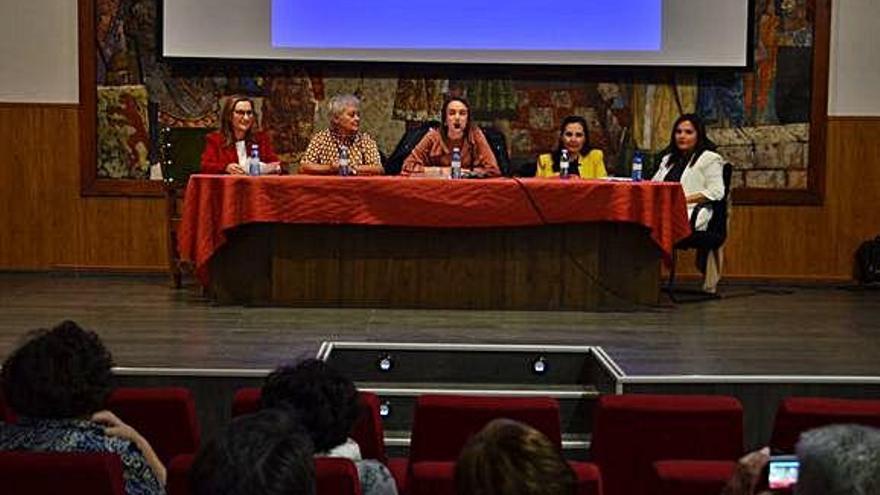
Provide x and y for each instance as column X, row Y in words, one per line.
column 783, row 472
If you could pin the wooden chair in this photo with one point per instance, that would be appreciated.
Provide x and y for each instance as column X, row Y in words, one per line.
column 181, row 150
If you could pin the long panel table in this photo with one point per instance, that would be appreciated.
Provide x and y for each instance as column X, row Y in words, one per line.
column 541, row 244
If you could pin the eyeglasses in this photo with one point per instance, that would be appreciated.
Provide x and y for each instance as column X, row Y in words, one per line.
column 243, row 113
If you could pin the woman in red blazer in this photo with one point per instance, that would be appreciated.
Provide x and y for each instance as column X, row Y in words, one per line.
column 227, row 150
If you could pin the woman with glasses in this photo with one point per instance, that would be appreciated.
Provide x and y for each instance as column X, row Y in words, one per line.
column 228, row 149
column 584, row 161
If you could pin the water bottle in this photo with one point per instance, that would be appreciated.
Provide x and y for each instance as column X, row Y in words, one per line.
column 563, row 165
column 637, row 167
column 455, row 173
column 343, row 161
column 254, row 161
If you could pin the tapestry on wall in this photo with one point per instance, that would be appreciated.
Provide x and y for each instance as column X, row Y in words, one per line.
column 759, row 118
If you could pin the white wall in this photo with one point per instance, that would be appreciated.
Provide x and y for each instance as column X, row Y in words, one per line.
column 38, row 52
column 854, row 79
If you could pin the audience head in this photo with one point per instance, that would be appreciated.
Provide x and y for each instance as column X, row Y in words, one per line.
column 60, row 373
column 510, row 458
column 688, row 137
column 325, row 400
column 455, row 118
column 238, row 118
column 839, row 460
column 267, row 453
column 345, row 113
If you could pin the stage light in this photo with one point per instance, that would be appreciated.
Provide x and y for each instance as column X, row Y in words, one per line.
column 540, row 365
column 385, row 363
column 385, row 409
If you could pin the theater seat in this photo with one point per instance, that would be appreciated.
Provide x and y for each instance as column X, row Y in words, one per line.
column 336, row 476
column 443, row 424
column 333, row 476
column 796, row 415
column 367, row 431
column 691, row 477
column 631, row 432
column 166, row 417
column 51, row 473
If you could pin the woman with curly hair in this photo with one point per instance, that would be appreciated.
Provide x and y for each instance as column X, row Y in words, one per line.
column 326, row 403
column 57, row 383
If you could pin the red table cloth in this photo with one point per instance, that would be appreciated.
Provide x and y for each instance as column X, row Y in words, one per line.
column 213, row 204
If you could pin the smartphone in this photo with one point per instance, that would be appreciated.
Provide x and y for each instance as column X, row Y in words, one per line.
column 782, row 472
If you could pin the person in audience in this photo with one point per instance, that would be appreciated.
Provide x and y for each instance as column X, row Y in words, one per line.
column 228, row 149
column 584, row 161
column 510, row 458
column 690, row 159
column 834, row 460
column 57, row 383
column 326, row 402
column 324, row 150
column 266, row 453
column 456, row 131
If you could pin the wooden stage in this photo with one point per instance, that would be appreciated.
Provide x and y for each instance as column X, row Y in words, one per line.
column 759, row 343
column 755, row 330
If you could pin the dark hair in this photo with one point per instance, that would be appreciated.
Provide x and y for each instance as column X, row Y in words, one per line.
column 703, row 141
column 585, row 149
column 444, row 128
column 325, row 400
column 511, row 458
column 60, row 373
column 226, row 118
column 267, row 453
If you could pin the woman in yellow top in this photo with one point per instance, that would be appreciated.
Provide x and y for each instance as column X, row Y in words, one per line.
column 586, row 162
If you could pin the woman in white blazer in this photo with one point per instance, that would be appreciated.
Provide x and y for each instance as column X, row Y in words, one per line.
column 691, row 160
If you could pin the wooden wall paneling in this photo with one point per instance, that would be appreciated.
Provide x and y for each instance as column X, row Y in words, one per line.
column 46, row 224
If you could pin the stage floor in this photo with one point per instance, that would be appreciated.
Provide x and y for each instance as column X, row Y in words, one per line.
column 756, row 330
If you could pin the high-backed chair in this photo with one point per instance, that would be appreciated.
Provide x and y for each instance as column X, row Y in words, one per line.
column 181, row 149
column 367, row 431
column 443, row 424
column 166, row 417
column 708, row 241
column 796, row 415
column 50, row 473
column 632, row 432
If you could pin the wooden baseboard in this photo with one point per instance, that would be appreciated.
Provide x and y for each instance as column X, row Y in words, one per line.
column 110, row 270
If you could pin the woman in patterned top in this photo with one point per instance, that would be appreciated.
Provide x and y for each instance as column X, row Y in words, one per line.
column 322, row 154
column 57, row 383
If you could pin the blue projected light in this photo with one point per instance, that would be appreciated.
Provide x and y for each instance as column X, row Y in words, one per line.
column 519, row 25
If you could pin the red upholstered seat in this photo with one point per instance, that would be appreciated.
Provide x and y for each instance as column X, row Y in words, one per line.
column 631, row 432
column 333, row 476
column 51, row 473
column 443, row 424
column 336, row 476
column 367, row 431
column 691, row 477
column 166, row 417
column 796, row 415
